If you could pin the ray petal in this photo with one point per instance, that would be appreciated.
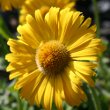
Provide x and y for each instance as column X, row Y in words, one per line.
column 48, row 94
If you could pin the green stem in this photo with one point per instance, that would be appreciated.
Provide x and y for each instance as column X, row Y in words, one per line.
column 3, row 33
column 94, row 98
column 96, row 15
column 93, row 92
column 22, row 105
column 19, row 104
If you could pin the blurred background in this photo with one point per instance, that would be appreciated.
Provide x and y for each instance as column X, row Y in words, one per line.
column 99, row 98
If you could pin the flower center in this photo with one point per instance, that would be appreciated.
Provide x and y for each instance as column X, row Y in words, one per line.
column 52, row 57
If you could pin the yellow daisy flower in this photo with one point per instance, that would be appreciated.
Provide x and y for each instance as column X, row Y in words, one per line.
column 52, row 56
column 31, row 5
column 7, row 5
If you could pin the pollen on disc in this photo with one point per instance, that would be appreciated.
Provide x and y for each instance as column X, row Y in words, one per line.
column 52, row 57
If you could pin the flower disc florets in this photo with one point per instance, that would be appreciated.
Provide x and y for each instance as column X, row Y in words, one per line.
column 52, row 57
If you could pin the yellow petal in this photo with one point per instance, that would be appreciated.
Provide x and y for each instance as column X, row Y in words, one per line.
column 76, row 84
column 29, row 90
column 86, row 23
column 79, row 90
column 93, row 27
column 85, row 68
column 52, row 20
column 35, row 89
column 86, row 52
column 58, row 92
column 48, row 94
column 19, row 47
column 70, row 96
column 74, row 78
column 15, row 74
column 80, row 29
column 34, row 28
column 85, row 78
column 14, row 67
column 73, row 30
column 28, row 36
column 26, row 92
column 86, row 58
column 69, row 25
column 41, row 89
column 26, row 79
column 65, row 24
column 44, row 33
column 17, row 58
column 82, row 40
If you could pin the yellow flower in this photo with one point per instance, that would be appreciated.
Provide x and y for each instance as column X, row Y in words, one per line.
column 52, row 56
column 7, row 5
column 30, row 6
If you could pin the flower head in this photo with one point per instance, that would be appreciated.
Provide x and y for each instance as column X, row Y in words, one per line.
column 52, row 56
column 7, row 5
column 30, row 6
